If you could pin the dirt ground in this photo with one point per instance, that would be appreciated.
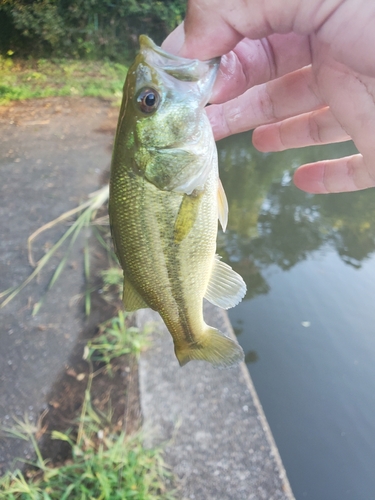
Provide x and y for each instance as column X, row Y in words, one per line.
column 53, row 153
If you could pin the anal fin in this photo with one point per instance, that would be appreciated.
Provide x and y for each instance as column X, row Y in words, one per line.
column 226, row 288
column 131, row 298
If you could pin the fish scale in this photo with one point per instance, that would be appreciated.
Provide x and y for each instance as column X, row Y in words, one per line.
column 168, row 270
column 165, row 199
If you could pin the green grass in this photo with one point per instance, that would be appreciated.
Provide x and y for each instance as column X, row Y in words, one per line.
column 115, row 339
column 105, row 463
column 115, row 470
column 104, row 466
column 113, row 277
column 42, row 78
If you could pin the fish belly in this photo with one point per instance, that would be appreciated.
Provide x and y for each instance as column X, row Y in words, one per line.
column 171, row 277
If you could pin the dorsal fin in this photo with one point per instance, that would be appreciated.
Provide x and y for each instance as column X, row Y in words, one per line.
column 226, row 288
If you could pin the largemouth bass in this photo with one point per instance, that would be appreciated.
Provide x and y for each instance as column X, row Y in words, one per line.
column 165, row 201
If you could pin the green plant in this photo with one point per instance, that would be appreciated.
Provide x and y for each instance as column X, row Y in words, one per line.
column 104, row 465
column 35, row 79
column 115, row 339
column 113, row 277
column 88, row 211
column 85, row 29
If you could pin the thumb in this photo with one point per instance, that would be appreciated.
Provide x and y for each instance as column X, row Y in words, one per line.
column 202, row 38
column 175, row 40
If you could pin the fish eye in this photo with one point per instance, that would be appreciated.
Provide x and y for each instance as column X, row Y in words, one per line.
column 148, row 100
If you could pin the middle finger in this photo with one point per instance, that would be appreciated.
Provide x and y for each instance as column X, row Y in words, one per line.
column 290, row 95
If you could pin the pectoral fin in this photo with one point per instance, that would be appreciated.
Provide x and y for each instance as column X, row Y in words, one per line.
column 131, row 298
column 226, row 288
column 169, row 168
column 178, row 170
column 186, row 216
column 223, row 206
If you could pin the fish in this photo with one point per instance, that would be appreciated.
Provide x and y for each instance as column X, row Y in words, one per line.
column 165, row 201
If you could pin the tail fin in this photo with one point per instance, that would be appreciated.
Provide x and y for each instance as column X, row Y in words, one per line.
column 214, row 347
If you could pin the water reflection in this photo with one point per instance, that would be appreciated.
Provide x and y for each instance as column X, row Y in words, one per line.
column 273, row 222
column 308, row 330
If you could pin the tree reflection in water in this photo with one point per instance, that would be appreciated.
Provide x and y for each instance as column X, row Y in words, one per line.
column 271, row 222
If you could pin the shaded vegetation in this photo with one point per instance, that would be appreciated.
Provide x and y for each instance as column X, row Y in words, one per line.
column 91, row 29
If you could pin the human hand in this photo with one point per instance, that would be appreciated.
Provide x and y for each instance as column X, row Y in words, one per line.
column 299, row 73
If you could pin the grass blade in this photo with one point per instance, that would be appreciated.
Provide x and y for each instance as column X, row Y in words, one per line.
column 49, row 225
column 86, row 265
column 98, row 198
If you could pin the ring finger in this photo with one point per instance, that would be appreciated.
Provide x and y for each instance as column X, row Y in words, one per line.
column 308, row 129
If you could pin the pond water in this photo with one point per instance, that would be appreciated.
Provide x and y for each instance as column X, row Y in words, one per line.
column 307, row 324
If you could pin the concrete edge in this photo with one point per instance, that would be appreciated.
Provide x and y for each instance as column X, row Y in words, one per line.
column 262, row 417
column 204, row 400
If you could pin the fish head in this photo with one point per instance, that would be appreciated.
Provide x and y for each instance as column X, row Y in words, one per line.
column 163, row 113
column 168, row 93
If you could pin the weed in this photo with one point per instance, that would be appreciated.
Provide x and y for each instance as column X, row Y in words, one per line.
column 113, row 276
column 104, row 465
column 116, row 339
column 88, row 211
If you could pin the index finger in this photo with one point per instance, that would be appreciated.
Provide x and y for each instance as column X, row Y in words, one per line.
column 253, row 62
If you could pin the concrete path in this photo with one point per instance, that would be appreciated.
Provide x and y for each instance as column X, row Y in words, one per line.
column 217, row 438
column 51, row 157
column 52, row 154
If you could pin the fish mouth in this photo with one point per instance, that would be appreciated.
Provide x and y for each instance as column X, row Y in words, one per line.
column 181, row 68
